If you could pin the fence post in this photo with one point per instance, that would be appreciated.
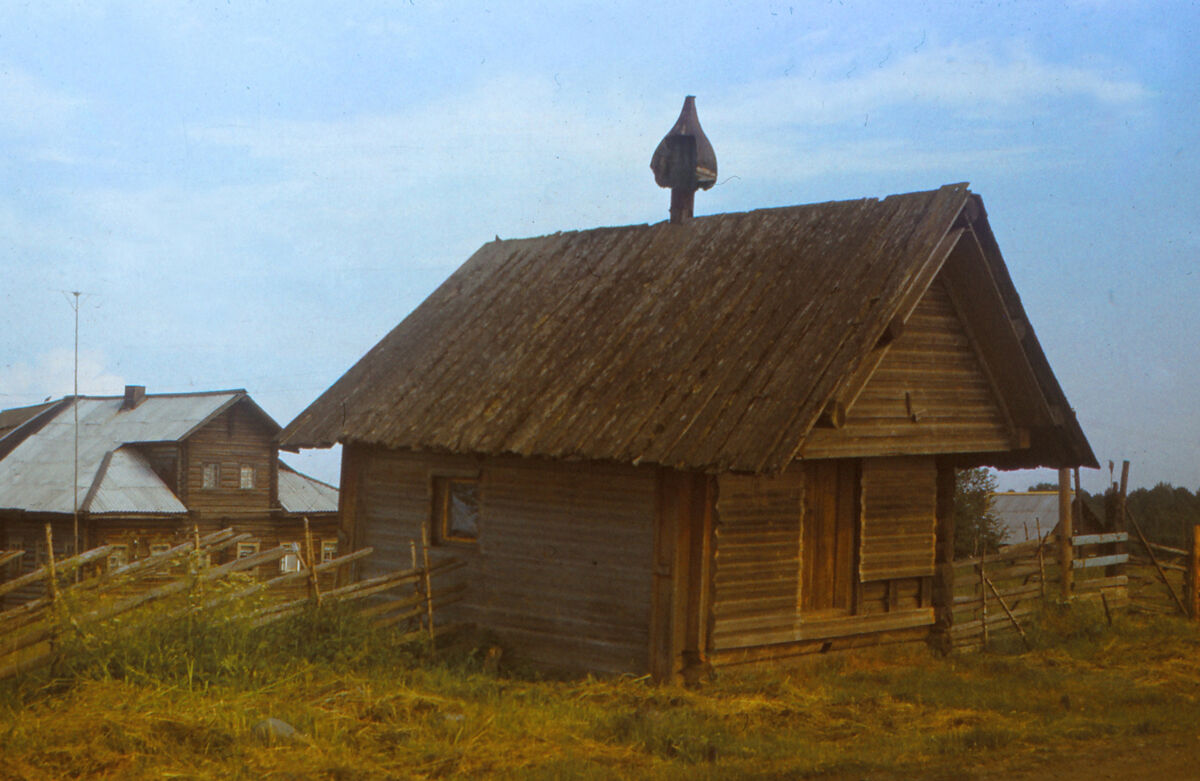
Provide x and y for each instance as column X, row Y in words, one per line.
column 1119, row 524
column 1193, row 575
column 983, row 612
column 1065, row 532
column 1041, row 554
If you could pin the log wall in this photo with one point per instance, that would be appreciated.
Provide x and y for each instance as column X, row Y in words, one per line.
column 756, row 586
column 234, row 438
column 899, row 507
column 765, row 560
column 562, row 567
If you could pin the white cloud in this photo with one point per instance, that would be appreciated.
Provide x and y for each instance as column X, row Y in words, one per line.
column 975, row 80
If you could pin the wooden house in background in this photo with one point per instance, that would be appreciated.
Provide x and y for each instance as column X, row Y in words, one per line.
column 707, row 441
column 151, row 468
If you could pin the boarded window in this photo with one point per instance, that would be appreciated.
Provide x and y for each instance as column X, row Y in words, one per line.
column 246, row 477
column 245, row 549
column 329, row 549
column 456, row 508
column 212, row 476
column 899, row 501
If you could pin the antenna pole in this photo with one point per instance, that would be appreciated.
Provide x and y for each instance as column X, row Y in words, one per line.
column 75, row 407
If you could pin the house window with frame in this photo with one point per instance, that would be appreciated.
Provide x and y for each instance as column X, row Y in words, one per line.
column 290, row 561
column 329, row 549
column 119, row 557
column 159, row 547
column 212, row 476
column 246, row 477
column 245, row 549
column 456, row 509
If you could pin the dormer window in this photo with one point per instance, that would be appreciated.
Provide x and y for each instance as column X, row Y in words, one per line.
column 212, row 476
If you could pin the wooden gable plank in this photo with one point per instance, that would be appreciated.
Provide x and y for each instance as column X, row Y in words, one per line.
column 929, row 394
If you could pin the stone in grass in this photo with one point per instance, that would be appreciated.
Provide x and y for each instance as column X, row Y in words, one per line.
column 273, row 731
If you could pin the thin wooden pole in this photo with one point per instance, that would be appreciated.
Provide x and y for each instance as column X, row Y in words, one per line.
column 418, row 583
column 983, row 609
column 51, row 574
column 428, row 579
column 314, row 590
column 1065, row 532
column 1008, row 612
column 1121, row 525
column 1194, row 574
column 1041, row 556
column 1154, row 560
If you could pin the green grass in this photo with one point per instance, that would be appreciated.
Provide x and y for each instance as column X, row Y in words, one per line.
column 182, row 701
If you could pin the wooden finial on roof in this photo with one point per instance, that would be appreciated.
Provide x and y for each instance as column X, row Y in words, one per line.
column 684, row 161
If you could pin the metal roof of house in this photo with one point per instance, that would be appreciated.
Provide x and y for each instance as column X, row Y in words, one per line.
column 300, row 493
column 127, row 484
column 1021, row 514
column 38, row 474
column 714, row 344
column 10, row 419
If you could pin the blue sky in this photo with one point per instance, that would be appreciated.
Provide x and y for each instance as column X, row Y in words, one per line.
column 251, row 194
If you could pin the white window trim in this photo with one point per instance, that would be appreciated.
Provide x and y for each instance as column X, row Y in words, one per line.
column 290, row 562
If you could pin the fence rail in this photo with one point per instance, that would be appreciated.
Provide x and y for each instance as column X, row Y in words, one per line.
column 80, row 592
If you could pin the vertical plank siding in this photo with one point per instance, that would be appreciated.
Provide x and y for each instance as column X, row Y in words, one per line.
column 562, row 565
column 899, row 509
column 930, row 394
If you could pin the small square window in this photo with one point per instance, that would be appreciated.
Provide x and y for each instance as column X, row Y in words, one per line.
column 456, row 508
column 246, row 476
column 159, row 547
column 245, row 549
column 212, row 476
column 119, row 557
column 328, row 550
column 291, row 561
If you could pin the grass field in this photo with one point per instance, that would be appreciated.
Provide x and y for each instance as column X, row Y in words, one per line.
column 185, row 704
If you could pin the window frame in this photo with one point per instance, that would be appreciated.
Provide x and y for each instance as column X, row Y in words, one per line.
column 329, row 550
column 247, row 549
column 215, row 483
column 243, row 471
column 440, row 487
column 118, row 557
column 291, row 562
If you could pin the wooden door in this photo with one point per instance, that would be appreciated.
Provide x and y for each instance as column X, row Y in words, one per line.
column 829, row 537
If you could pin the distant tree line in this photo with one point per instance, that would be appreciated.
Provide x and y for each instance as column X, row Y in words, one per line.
column 1165, row 513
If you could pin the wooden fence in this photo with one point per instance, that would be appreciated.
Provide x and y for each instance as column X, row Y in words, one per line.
column 81, row 592
column 997, row 595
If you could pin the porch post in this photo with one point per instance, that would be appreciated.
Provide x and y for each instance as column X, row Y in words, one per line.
column 943, row 577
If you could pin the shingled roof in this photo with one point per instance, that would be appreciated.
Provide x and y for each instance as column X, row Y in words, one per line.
column 715, row 344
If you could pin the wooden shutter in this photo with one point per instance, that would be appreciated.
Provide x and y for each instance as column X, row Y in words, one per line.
column 899, row 498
